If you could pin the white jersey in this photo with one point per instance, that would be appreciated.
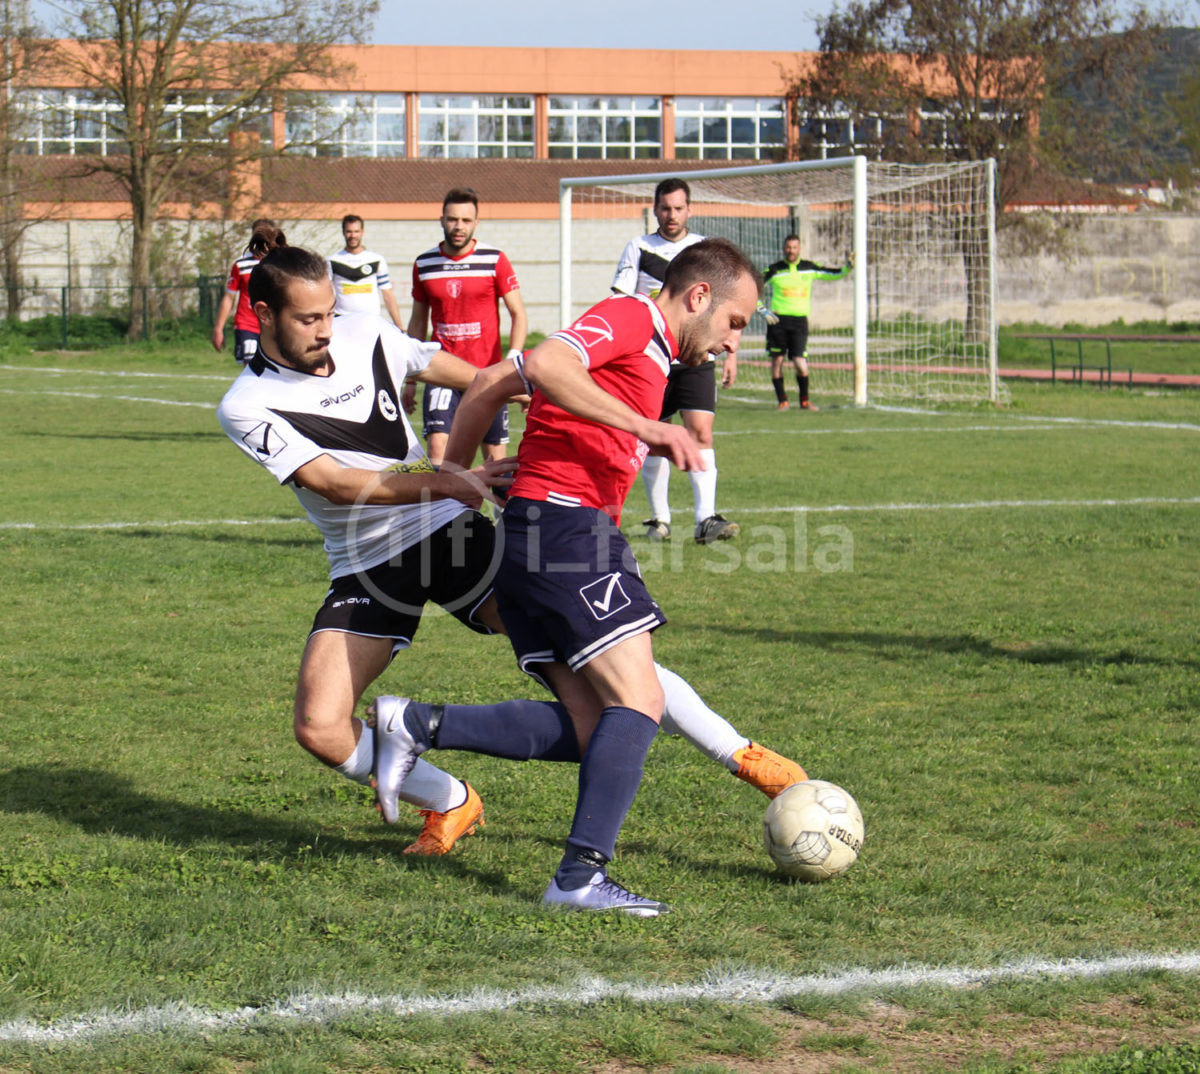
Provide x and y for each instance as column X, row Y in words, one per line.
column 283, row 418
column 357, row 280
column 644, row 263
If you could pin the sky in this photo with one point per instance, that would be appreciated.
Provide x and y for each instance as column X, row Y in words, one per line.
column 700, row 24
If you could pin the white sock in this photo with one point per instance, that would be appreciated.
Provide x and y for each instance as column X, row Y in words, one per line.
column 359, row 765
column 704, row 485
column 656, row 476
column 427, row 786
column 686, row 714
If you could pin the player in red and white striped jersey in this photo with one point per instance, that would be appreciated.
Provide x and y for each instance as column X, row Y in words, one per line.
column 458, row 285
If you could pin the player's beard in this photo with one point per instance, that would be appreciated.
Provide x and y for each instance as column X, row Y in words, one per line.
column 696, row 340
column 299, row 355
column 456, row 248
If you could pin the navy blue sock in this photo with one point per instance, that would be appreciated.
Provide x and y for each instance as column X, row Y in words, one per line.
column 609, row 776
column 516, row 730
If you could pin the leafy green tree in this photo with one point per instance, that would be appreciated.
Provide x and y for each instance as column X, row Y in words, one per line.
column 972, row 79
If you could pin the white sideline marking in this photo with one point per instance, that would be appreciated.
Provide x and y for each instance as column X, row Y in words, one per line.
column 739, row 986
column 150, row 525
column 83, row 371
column 1036, row 425
column 1137, row 501
column 106, row 398
column 1153, row 501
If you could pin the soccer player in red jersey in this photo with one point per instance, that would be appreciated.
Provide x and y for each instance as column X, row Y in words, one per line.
column 458, row 284
column 236, row 300
column 568, row 587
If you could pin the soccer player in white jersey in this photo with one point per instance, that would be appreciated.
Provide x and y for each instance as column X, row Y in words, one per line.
column 691, row 391
column 318, row 407
column 360, row 276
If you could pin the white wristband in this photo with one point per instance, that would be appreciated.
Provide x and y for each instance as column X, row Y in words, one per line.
column 515, row 353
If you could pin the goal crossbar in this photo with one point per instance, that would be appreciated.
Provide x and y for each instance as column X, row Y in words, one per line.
column 878, row 201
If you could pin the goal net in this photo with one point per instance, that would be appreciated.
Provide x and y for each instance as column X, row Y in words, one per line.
column 915, row 320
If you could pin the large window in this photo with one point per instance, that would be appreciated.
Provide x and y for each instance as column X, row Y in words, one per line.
column 328, row 125
column 79, row 122
column 470, row 126
column 730, row 128
column 73, row 122
column 591, row 128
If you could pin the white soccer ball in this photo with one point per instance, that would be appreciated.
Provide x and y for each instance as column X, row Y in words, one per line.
column 813, row 830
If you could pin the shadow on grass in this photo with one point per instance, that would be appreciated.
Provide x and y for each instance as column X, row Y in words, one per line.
column 180, row 437
column 236, row 533
column 954, row 645
column 100, row 802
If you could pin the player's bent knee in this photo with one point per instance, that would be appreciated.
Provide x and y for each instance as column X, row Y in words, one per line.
column 328, row 742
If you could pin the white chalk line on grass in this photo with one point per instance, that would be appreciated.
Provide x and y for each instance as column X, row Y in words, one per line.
column 1033, row 425
column 979, row 505
column 151, row 525
column 113, row 398
column 840, row 508
column 736, row 987
column 83, row 371
column 1031, row 422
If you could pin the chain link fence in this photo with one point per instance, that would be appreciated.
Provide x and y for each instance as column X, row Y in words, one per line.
column 73, row 317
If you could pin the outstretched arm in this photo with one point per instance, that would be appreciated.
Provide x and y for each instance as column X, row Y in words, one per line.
column 351, row 485
column 490, row 389
column 554, row 369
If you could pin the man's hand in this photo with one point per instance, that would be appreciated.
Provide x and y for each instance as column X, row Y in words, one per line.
column 218, row 337
column 729, row 370
column 771, row 316
column 673, row 442
column 408, row 397
column 489, row 482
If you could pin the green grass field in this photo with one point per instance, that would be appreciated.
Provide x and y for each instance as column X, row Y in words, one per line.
column 983, row 622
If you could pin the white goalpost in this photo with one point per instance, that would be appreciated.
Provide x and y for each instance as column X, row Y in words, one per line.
column 915, row 320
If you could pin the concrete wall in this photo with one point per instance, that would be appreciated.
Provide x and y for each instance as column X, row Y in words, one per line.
column 1135, row 267
column 1142, row 266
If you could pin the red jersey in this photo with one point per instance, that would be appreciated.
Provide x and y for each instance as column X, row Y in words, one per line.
column 238, row 283
column 626, row 347
column 462, row 293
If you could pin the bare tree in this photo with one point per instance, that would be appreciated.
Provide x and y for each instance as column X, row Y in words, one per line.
column 22, row 50
column 188, row 77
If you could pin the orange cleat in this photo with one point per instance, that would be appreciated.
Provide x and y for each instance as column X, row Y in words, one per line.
column 770, row 772
column 443, row 830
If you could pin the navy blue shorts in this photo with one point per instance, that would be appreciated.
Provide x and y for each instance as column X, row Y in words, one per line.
column 438, row 406
column 245, row 344
column 453, row 567
column 569, row 587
